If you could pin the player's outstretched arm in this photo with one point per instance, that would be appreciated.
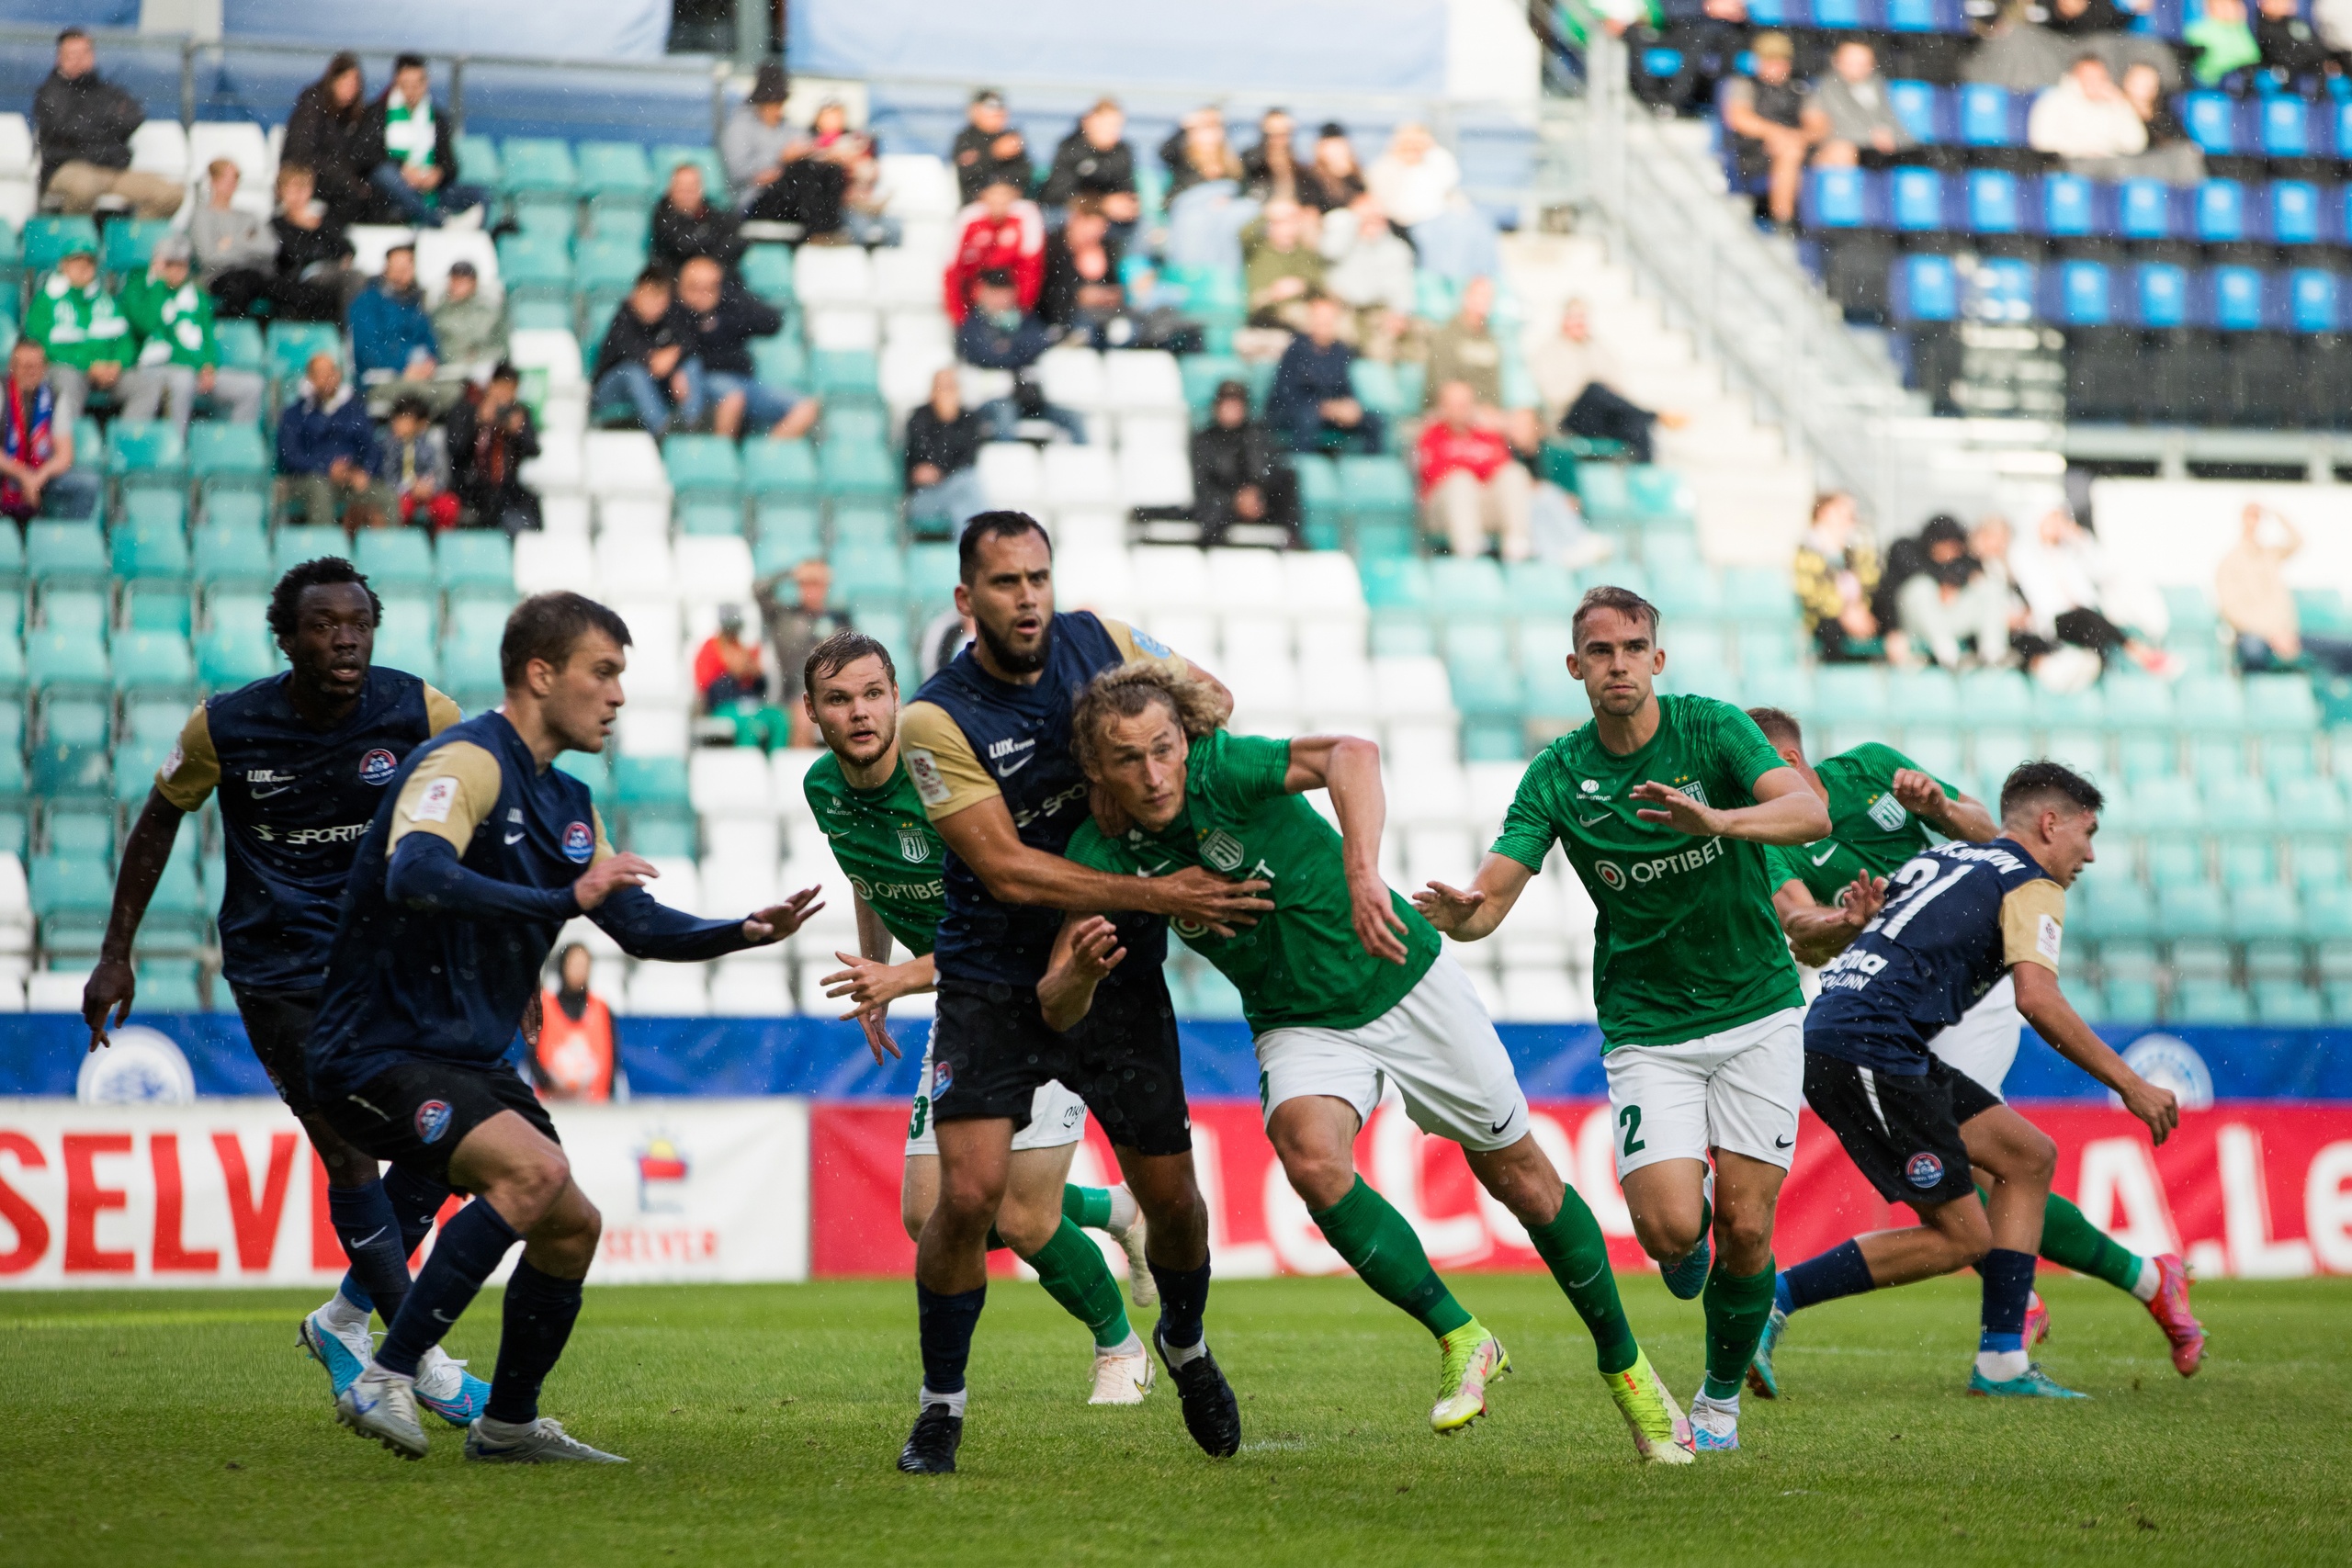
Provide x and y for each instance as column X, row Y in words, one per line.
column 112, row 982
column 871, row 982
column 1349, row 766
column 1964, row 818
column 1786, row 811
column 1819, row 932
column 2054, row 1019
column 982, row 837
column 1086, row 949
column 1467, row 914
column 425, row 874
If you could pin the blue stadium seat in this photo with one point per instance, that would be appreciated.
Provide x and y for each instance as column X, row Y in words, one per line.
column 2002, row 290
column 2141, row 209
column 1925, row 289
column 2282, row 125
column 1995, row 202
column 2309, row 301
column 1916, row 105
column 2067, row 210
column 1841, row 15
column 2159, row 296
column 1837, row 198
column 2078, row 294
column 2211, row 120
column 2294, row 213
column 1988, row 119
column 2219, row 212
column 1916, row 200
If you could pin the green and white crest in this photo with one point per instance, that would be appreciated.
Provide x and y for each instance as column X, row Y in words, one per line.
column 1223, row 851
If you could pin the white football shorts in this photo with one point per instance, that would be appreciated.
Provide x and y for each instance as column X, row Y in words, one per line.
column 1739, row 1089
column 1056, row 1116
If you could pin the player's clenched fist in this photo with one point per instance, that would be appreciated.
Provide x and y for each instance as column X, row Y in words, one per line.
column 609, row 876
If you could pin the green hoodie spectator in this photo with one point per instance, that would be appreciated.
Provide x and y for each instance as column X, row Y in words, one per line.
column 179, row 355
column 83, row 327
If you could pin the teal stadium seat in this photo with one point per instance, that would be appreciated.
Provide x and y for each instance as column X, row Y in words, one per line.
column 538, row 167
column 293, row 344
column 476, row 563
column 153, row 552
column 787, row 532
column 668, row 155
column 767, row 271
column 1540, row 591
column 1468, row 589
column 227, row 555
column 296, row 545
column 153, row 663
column 60, row 554
column 844, row 374
column 148, row 454
column 703, row 467
column 394, row 557
column 235, row 652
column 46, row 237
column 615, row 174
column 478, row 161
column 858, row 470
column 128, row 243
column 772, row 468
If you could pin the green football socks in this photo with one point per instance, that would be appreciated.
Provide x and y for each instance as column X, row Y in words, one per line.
column 2071, row 1241
column 1572, row 1247
column 1737, row 1307
column 1087, row 1207
column 1380, row 1245
column 1071, row 1268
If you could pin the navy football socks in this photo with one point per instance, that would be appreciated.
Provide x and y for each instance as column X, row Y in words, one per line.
column 472, row 1244
column 1840, row 1271
column 365, row 1224
column 541, row 1310
column 948, row 1322
column 415, row 1200
column 1183, row 1300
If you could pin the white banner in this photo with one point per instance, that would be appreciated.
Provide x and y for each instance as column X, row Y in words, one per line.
column 226, row 1193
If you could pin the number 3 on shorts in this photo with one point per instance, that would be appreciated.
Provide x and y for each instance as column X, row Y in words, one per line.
column 923, row 1111
column 1631, row 1120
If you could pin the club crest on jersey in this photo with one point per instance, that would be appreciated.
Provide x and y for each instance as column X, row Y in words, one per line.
column 431, row 1121
column 913, row 848
column 377, row 767
column 1889, row 813
column 1924, row 1170
column 1223, row 851
column 579, row 843
column 942, row 1078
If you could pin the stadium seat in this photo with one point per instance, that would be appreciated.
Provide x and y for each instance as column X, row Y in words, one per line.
column 227, row 555
column 617, row 173
column 394, row 557
column 702, row 465
column 153, row 663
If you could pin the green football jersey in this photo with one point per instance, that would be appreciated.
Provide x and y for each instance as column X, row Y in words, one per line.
column 1300, row 965
column 1870, row 831
column 886, row 845
column 1687, row 942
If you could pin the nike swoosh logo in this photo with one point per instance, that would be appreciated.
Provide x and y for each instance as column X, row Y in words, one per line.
column 1497, row 1130
column 514, row 837
column 443, row 1316
column 1008, row 773
column 1589, row 822
column 268, row 794
column 1777, row 1143
column 1823, row 858
column 370, row 1237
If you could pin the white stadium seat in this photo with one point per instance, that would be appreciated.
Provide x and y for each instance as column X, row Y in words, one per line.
column 786, row 768
column 1154, row 476
column 833, row 275
column 1442, row 853
column 565, row 514
column 906, row 281
column 1087, row 577
column 55, row 991
column 1436, row 739
column 751, row 985
column 18, row 201
column 1080, row 477
column 928, row 328
column 907, row 369
column 1256, row 639
column 1174, row 577
column 731, row 779
column 588, row 933
column 920, row 184
column 979, row 385
column 1102, row 530
column 649, row 729
column 1545, row 995
column 729, row 836
column 1422, row 790
column 1140, row 379
column 561, row 466
column 552, row 349
column 1072, row 378
column 160, row 147
column 633, row 563
column 1492, row 787
column 668, row 990
column 1262, row 685
column 1246, row 583
column 1191, row 633
column 15, row 146
column 618, row 463
column 547, row 561
column 843, row 330
column 1322, row 582
column 438, row 249
column 738, row 886
column 242, row 142
column 370, row 243
column 1156, row 430
column 639, row 516
column 1412, row 688
column 715, row 569
column 1010, row 474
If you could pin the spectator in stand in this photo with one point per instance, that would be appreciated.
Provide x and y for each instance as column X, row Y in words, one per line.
column 84, row 124
column 1577, row 377
column 314, row 280
column 325, row 451
column 1707, row 36
column 1862, row 125
column 1464, row 350
column 1197, row 153
column 574, row 1058
column 643, row 358
column 1313, row 406
column 1095, row 160
column 1001, row 232
column 328, row 134
column 1416, row 179
column 179, row 355
column 1270, row 170
column 236, row 255
column 2077, row 599
column 997, row 334
column 2250, row 588
column 1238, row 473
column 687, row 225
column 988, row 149
column 2086, row 120
column 1082, row 285
column 2088, row 18
column 490, row 440
column 1371, row 270
column 1951, row 608
column 411, row 468
column 392, row 345
column 795, row 627
column 2172, row 157
column 412, row 152
column 1837, row 569
column 1774, row 124
column 2223, row 41
column 944, row 440
column 82, row 327
column 468, row 326
column 2019, row 53
column 777, row 173
column 1331, row 179
column 2334, row 20
column 862, row 222
column 1280, row 268
column 38, row 478
column 1471, row 487
column 731, row 684
column 720, row 319
column 2292, row 50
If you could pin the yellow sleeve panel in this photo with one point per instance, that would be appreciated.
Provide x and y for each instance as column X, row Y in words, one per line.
column 450, row 793
column 2033, row 923
column 192, row 772
column 440, row 712
column 947, row 775
column 604, row 845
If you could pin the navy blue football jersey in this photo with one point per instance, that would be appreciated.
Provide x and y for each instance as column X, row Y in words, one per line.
column 1957, row 917
column 968, row 735
column 294, row 802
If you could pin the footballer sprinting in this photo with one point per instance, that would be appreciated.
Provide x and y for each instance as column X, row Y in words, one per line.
column 300, row 761
column 1955, row 919
column 867, row 807
column 1665, row 807
column 1345, row 989
column 1882, row 805
column 479, row 852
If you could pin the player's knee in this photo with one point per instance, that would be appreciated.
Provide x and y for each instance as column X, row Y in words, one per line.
column 1742, row 1233
column 537, row 1180
column 1321, row 1177
column 970, row 1197
column 1967, row 1232
column 2038, row 1158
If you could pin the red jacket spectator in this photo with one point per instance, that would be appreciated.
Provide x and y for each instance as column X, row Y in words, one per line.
column 1444, row 448
column 998, row 230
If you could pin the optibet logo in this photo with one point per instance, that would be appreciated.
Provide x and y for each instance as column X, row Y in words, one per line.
column 1612, row 875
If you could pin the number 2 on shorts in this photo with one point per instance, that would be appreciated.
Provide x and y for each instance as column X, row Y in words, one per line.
column 1631, row 1120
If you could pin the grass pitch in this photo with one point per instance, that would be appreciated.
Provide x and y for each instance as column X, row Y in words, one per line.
column 182, row 1427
